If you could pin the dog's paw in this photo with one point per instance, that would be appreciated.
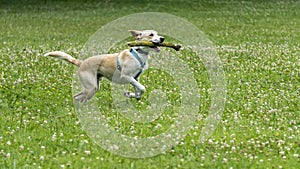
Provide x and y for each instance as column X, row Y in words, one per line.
column 129, row 94
column 132, row 95
column 80, row 98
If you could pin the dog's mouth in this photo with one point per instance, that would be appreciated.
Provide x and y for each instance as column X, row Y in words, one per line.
column 155, row 48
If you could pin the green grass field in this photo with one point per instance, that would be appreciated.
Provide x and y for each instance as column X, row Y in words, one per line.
column 258, row 43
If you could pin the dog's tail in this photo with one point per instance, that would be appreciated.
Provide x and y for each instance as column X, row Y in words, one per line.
column 64, row 56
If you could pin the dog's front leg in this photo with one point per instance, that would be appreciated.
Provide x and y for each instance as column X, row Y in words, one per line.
column 137, row 92
column 139, row 88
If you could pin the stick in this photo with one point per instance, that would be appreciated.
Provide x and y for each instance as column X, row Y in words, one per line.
column 146, row 43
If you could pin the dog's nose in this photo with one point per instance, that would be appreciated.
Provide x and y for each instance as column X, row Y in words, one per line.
column 161, row 39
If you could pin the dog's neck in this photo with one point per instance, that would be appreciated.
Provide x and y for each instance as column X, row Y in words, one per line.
column 142, row 53
column 141, row 50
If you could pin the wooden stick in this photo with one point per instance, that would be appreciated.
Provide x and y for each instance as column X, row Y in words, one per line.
column 146, row 43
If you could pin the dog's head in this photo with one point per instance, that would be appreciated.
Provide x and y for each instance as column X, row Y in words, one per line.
column 148, row 35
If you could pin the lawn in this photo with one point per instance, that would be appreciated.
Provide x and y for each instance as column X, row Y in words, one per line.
column 257, row 42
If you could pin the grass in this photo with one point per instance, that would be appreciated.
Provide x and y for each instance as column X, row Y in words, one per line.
column 257, row 41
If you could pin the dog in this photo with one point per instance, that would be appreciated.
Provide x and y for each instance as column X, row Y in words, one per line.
column 122, row 68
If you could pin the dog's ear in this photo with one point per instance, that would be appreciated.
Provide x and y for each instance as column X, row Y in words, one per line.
column 135, row 33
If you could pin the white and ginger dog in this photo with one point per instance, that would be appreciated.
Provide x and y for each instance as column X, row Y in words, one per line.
column 122, row 68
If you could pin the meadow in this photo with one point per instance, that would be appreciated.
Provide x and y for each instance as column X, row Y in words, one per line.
column 257, row 42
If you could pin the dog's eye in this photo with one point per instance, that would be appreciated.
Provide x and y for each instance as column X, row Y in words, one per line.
column 151, row 34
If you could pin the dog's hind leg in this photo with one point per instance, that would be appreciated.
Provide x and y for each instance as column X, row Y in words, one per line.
column 90, row 84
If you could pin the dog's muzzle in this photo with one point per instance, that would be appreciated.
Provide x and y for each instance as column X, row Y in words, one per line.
column 160, row 39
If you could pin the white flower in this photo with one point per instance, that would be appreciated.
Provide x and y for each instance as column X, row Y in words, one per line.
column 87, row 152
column 43, row 147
